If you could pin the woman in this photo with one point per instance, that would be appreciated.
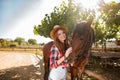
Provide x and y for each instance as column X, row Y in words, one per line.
column 59, row 52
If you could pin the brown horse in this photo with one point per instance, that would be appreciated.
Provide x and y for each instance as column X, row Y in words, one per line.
column 82, row 39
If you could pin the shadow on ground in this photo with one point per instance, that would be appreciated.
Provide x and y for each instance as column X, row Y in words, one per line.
column 35, row 73
column 21, row 73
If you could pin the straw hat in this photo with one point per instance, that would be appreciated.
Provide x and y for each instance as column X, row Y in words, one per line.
column 55, row 29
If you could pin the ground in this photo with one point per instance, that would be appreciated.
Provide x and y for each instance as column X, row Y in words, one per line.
column 20, row 66
column 23, row 66
column 21, row 73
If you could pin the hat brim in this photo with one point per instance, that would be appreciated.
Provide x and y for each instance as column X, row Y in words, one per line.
column 53, row 31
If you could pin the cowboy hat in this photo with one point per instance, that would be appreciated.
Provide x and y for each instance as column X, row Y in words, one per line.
column 55, row 29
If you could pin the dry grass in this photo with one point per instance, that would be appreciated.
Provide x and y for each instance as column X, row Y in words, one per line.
column 24, row 50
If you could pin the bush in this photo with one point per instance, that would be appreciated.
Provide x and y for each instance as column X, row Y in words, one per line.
column 14, row 44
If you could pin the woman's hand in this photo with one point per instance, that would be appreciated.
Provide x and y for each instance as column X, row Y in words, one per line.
column 68, row 51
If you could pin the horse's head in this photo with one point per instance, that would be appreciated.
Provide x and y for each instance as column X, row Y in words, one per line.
column 82, row 39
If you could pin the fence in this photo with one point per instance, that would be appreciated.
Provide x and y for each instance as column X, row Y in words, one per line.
column 21, row 48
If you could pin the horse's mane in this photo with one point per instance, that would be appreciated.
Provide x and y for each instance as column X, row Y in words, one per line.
column 85, row 29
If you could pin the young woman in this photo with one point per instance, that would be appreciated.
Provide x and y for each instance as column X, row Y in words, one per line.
column 58, row 53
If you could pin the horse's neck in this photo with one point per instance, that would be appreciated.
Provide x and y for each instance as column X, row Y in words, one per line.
column 82, row 62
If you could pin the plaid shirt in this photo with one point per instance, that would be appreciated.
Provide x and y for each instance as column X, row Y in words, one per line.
column 55, row 55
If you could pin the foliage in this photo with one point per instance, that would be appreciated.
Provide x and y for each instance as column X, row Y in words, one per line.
column 4, row 43
column 32, row 41
column 110, row 19
column 107, row 24
column 19, row 40
column 66, row 15
column 99, row 32
column 13, row 44
column 16, row 42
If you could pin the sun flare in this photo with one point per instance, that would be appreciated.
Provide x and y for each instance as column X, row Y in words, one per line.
column 88, row 4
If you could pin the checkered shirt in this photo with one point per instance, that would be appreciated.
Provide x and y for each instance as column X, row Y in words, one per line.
column 55, row 55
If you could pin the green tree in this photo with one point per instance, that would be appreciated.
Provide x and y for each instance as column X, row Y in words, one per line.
column 4, row 42
column 19, row 40
column 66, row 15
column 13, row 44
column 107, row 25
column 32, row 41
column 110, row 18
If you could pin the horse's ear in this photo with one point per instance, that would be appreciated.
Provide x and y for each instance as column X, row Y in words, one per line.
column 90, row 21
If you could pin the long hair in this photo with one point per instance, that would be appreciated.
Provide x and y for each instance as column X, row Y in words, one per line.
column 61, row 46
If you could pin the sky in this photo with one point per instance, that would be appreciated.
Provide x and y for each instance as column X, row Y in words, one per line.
column 18, row 17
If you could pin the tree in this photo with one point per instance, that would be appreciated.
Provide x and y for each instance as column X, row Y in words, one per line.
column 107, row 25
column 66, row 15
column 19, row 40
column 4, row 43
column 32, row 41
column 110, row 17
column 58, row 17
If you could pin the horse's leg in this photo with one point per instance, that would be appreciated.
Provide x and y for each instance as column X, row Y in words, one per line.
column 46, row 68
column 73, row 72
column 81, row 70
column 72, row 77
column 79, row 77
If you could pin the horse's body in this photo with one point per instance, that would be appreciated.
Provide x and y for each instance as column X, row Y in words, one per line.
column 46, row 57
column 82, row 39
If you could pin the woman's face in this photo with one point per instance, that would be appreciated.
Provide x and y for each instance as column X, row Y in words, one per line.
column 61, row 35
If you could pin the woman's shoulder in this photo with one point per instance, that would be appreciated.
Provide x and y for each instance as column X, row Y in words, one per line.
column 54, row 47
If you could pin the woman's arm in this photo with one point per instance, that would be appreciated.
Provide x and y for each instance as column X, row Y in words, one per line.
column 53, row 57
column 68, row 51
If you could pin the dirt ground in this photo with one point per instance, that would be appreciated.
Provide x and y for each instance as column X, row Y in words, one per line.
column 20, row 66
column 25, row 68
column 21, row 73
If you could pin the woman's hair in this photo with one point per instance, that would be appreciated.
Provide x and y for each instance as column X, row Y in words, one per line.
column 61, row 46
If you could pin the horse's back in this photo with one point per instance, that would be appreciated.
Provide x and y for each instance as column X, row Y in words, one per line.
column 46, row 49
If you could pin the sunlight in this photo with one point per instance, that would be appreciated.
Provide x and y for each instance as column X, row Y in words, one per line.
column 106, row 1
column 88, row 4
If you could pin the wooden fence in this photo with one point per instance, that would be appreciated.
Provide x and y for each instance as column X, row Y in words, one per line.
column 22, row 48
column 108, row 58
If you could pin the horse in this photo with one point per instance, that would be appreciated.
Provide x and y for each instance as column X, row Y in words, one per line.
column 81, row 43
column 82, row 40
